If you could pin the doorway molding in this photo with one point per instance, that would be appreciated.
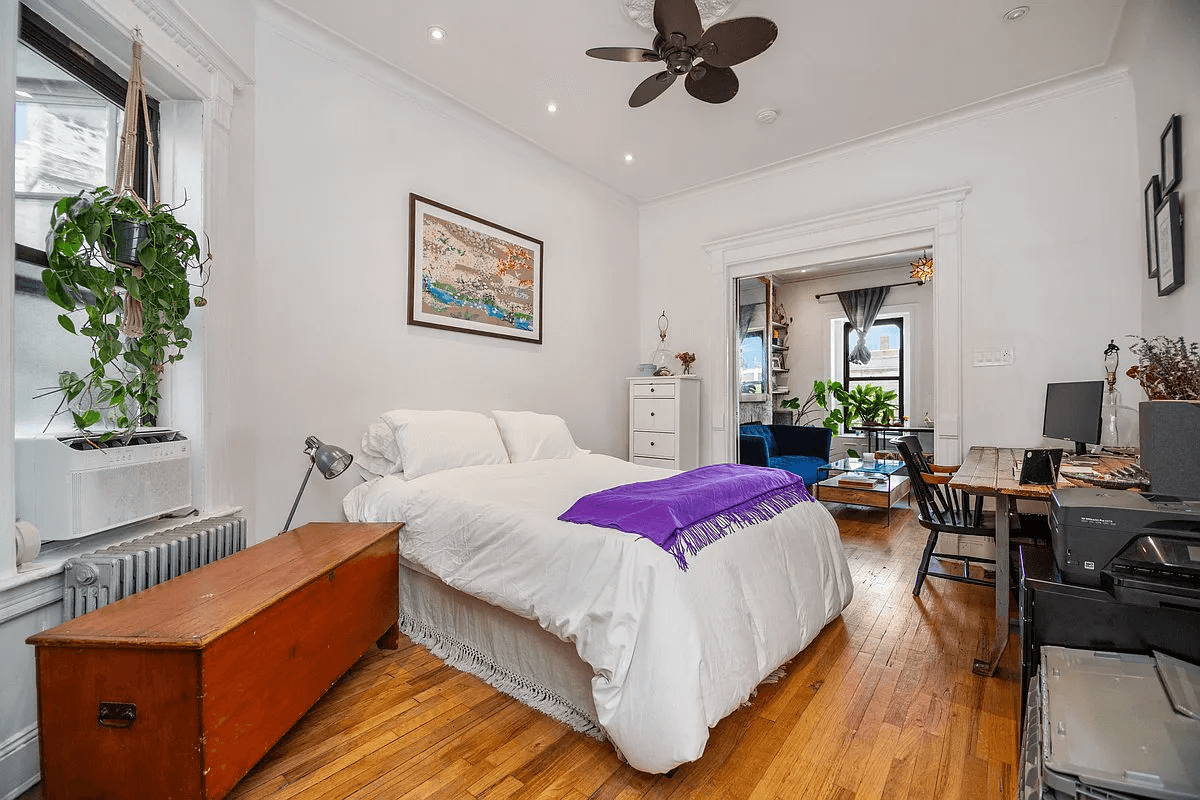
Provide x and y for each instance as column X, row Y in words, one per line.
column 905, row 224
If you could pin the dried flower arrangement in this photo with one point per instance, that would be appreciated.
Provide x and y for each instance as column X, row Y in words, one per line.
column 687, row 359
column 1167, row 369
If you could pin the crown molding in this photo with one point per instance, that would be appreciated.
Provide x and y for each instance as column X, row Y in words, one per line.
column 1078, row 83
column 171, row 17
column 303, row 31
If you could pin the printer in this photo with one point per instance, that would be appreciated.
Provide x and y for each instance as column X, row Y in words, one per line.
column 1141, row 548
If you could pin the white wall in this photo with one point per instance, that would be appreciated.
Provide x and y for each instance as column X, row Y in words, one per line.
column 1160, row 41
column 1049, row 238
column 341, row 142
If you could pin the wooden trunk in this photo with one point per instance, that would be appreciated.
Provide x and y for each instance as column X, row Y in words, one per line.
column 176, row 692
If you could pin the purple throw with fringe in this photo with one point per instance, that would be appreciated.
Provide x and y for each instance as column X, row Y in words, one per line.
column 684, row 512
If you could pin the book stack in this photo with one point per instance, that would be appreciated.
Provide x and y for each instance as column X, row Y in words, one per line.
column 860, row 481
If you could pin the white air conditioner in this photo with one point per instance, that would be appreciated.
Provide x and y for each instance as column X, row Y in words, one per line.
column 70, row 487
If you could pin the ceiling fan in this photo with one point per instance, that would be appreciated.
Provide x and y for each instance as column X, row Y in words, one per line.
column 682, row 40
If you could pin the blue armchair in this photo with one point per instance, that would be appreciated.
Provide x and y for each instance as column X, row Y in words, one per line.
column 799, row 449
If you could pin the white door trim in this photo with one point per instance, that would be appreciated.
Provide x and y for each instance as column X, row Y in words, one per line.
column 889, row 227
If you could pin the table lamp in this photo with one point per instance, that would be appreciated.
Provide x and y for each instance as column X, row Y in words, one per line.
column 330, row 459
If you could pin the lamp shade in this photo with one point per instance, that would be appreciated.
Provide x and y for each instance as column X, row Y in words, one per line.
column 329, row 459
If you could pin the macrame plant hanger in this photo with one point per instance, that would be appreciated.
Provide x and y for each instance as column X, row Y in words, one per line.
column 135, row 101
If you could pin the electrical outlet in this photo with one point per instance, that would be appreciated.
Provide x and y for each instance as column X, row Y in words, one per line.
column 992, row 357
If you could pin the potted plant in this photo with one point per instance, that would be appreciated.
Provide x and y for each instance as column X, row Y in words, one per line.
column 127, row 272
column 871, row 404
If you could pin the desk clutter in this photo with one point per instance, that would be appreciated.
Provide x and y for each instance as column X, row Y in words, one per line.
column 1111, row 725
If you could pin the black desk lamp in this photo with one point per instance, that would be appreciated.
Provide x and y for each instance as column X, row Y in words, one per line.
column 330, row 459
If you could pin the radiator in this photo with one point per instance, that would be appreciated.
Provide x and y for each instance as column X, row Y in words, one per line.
column 94, row 580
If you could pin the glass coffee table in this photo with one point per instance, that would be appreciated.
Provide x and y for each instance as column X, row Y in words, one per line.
column 853, row 482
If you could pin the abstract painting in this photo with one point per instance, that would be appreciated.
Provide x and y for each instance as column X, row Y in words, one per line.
column 468, row 274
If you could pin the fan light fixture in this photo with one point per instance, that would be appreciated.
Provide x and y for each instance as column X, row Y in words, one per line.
column 642, row 11
column 922, row 269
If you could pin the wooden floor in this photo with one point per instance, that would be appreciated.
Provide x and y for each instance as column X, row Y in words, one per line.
column 882, row 705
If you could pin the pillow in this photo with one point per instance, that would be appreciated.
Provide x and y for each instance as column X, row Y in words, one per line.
column 380, row 454
column 534, row 437
column 432, row 441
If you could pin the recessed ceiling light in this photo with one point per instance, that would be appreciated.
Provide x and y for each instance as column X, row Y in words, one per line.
column 436, row 33
column 551, row 107
column 24, row 94
column 767, row 116
column 1017, row 13
column 628, row 157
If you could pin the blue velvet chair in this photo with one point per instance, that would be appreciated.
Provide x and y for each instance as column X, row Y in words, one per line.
column 796, row 448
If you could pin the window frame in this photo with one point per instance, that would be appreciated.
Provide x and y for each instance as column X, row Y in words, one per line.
column 58, row 48
column 899, row 377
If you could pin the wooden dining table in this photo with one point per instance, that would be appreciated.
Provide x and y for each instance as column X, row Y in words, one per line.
column 993, row 472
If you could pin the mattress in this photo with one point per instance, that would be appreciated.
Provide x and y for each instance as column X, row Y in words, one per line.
column 671, row 652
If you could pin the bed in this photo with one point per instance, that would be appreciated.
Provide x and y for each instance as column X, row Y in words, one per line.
column 598, row 628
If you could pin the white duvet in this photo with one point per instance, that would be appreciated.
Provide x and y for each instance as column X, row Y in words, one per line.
column 673, row 651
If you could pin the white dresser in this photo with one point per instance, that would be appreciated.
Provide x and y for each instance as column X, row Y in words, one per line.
column 664, row 421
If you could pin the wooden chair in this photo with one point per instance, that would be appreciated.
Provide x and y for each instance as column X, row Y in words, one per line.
column 943, row 510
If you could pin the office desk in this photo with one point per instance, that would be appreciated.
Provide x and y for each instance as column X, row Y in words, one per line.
column 988, row 471
column 992, row 472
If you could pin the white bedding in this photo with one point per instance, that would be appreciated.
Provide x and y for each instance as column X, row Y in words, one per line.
column 673, row 652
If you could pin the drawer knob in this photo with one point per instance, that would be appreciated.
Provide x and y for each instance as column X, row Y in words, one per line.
column 651, row 390
column 652, row 444
column 652, row 413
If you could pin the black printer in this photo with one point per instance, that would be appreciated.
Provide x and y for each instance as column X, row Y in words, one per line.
column 1138, row 547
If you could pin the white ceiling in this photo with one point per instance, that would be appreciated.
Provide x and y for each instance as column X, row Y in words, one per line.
column 839, row 71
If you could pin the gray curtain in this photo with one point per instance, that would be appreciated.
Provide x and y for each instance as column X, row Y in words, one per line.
column 745, row 314
column 862, row 307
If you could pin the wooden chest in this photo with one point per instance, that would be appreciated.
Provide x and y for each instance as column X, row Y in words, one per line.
column 176, row 692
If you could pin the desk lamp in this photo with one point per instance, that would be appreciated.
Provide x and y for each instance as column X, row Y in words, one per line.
column 329, row 458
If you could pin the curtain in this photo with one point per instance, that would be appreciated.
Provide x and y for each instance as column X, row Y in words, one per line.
column 862, row 307
column 745, row 314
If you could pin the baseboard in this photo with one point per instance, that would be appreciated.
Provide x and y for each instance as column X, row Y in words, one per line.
column 19, row 767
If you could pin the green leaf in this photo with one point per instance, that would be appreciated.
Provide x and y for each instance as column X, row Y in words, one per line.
column 66, row 322
column 55, row 291
column 148, row 255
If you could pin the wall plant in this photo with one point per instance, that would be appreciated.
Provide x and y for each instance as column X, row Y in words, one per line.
column 133, row 309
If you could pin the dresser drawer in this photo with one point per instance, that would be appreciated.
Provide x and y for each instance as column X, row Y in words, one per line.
column 653, row 414
column 657, row 445
column 663, row 463
column 654, row 390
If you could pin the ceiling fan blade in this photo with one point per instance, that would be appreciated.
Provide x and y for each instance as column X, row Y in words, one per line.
column 678, row 16
column 716, row 84
column 650, row 88
column 635, row 55
column 736, row 40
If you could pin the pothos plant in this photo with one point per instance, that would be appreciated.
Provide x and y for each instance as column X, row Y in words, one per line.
column 132, row 310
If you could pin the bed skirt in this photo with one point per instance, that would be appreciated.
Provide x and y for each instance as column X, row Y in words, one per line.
column 513, row 655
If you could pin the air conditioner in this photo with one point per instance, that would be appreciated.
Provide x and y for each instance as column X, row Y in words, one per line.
column 70, row 486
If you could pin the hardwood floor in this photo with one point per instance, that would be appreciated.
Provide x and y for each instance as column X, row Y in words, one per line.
column 882, row 705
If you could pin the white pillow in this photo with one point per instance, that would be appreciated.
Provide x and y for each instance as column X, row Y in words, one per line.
column 380, row 453
column 432, row 441
column 529, row 436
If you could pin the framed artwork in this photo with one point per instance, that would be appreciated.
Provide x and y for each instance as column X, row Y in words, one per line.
column 1170, row 152
column 468, row 274
column 1168, row 225
column 1151, row 199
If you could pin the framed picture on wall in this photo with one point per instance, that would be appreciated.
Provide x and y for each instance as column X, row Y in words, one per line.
column 467, row 274
column 1170, row 153
column 1168, row 225
column 1151, row 200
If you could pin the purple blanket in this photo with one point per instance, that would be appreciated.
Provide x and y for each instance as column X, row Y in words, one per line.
column 684, row 512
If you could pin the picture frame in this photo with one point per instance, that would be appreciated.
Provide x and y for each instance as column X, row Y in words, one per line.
column 1170, row 154
column 1151, row 199
column 470, row 275
column 1168, row 221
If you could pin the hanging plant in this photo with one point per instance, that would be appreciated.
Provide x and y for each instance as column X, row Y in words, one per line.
column 123, row 272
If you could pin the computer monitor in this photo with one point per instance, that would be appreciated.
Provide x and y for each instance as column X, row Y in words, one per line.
column 1073, row 412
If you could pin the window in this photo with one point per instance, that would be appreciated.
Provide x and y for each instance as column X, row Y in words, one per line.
column 69, row 113
column 886, row 367
column 753, row 378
